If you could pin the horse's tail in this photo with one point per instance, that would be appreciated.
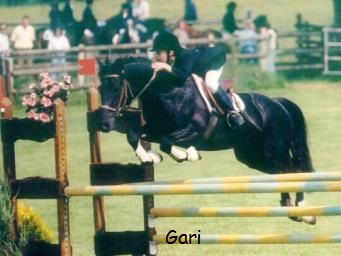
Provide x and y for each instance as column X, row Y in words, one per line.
column 299, row 142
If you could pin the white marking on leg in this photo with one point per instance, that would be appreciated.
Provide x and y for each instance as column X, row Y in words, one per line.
column 142, row 154
column 192, row 154
column 178, row 153
column 307, row 219
column 155, row 156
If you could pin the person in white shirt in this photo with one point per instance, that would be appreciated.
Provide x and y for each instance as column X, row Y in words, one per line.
column 23, row 37
column 4, row 40
column 58, row 43
column 141, row 10
column 4, row 45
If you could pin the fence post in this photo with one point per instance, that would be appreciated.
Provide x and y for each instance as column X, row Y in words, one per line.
column 9, row 87
column 81, row 55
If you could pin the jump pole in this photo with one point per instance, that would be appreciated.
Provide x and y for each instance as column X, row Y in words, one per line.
column 183, row 189
column 259, row 239
column 246, row 211
column 289, row 177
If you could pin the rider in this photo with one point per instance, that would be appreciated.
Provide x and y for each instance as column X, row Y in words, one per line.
column 207, row 62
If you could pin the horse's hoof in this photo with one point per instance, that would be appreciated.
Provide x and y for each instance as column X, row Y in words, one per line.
column 297, row 219
column 311, row 220
column 192, row 154
column 155, row 156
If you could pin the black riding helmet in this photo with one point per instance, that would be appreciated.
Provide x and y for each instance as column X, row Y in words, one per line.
column 166, row 41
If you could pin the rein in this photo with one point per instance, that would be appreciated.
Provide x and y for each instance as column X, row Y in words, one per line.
column 122, row 104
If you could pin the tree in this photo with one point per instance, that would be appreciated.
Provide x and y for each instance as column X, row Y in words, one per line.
column 337, row 13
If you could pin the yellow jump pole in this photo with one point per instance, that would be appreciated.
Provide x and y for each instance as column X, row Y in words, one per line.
column 181, row 189
column 246, row 211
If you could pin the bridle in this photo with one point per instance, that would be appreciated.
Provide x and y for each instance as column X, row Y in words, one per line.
column 125, row 94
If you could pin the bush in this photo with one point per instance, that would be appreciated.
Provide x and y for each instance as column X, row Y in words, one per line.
column 250, row 77
column 32, row 227
column 8, row 247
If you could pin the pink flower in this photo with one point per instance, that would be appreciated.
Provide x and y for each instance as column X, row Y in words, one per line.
column 44, row 118
column 55, row 88
column 24, row 101
column 32, row 115
column 46, row 102
column 33, row 95
column 31, row 102
column 67, row 79
column 43, row 75
column 44, row 84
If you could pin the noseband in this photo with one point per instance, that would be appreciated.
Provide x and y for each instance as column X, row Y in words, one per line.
column 126, row 92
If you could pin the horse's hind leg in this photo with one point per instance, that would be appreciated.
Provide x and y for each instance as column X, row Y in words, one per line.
column 301, row 203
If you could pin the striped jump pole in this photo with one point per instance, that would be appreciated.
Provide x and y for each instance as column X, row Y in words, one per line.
column 246, row 211
column 289, row 177
column 253, row 239
column 182, row 189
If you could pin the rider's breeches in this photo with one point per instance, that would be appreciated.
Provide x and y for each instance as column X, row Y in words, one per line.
column 212, row 79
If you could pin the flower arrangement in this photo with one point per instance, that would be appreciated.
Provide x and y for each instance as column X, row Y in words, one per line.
column 39, row 100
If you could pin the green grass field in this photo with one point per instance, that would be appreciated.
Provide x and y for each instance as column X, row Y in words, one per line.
column 320, row 102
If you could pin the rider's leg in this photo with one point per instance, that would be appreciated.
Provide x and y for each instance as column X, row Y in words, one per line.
column 224, row 99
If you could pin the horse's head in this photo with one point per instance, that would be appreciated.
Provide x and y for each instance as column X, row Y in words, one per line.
column 122, row 81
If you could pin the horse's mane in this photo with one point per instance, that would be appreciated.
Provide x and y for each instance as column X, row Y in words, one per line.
column 116, row 66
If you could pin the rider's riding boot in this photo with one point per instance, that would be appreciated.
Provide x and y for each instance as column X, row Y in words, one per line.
column 233, row 118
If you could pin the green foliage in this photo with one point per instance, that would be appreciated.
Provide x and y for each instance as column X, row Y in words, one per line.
column 251, row 77
column 8, row 246
column 32, row 226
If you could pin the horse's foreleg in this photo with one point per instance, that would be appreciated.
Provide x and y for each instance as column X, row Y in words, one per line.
column 134, row 139
column 301, row 203
column 186, row 137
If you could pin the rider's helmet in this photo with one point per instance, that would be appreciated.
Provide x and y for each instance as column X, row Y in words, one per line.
column 166, row 41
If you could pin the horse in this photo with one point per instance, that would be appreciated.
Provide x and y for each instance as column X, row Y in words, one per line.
column 273, row 140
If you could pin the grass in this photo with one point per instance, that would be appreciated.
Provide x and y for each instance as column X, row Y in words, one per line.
column 321, row 105
column 280, row 13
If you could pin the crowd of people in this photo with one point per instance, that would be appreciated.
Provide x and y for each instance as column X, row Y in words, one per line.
column 129, row 26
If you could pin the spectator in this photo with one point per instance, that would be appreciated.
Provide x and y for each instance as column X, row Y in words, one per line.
column 130, row 6
column 229, row 22
column 181, row 31
column 268, row 44
column 141, row 10
column 123, row 25
column 4, row 40
column 23, row 37
column 190, row 11
column 4, row 45
column 247, row 38
column 58, row 43
column 89, row 21
column 67, row 14
column 55, row 16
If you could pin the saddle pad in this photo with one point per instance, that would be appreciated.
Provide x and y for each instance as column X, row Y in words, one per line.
column 238, row 103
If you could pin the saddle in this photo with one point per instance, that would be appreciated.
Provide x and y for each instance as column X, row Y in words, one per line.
column 209, row 100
